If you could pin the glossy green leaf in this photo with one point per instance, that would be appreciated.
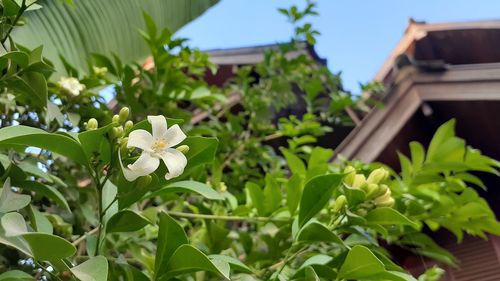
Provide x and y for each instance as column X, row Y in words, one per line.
column 189, row 259
column 16, row 242
column 388, row 216
column 295, row 164
column 15, row 275
column 171, row 236
column 96, row 143
column 256, row 197
column 417, row 155
column 235, row 263
column 11, row 201
column 55, row 142
column 201, row 151
column 272, row 194
column 316, row 194
column 314, row 231
column 47, row 247
column 78, row 30
column 94, row 269
column 14, row 225
column 293, row 192
column 46, row 191
column 444, row 132
column 319, row 156
column 38, row 221
column 360, row 264
column 187, row 186
column 126, row 221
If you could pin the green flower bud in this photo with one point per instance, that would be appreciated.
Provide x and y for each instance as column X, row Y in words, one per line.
column 382, row 189
column 372, row 190
column 100, row 71
column 123, row 115
column 128, row 126
column 385, row 200
column 115, row 119
column 340, row 203
column 362, row 212
column 350, row 173
column 117, row 132
column 183, row 148
column 378, row 175
column 359, row 181
column 92, row 124
column 144, row 181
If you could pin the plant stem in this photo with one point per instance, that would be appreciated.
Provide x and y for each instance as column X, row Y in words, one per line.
column 16, row 19
column 81, row 238
column 226, row 218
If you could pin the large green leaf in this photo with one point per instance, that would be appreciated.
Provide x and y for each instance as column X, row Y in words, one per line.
column 187, row 186
column 314, row 231
column 388, row 216
column 170, row 237
column 15, row 275
column 189, row 259
column 95, row 269
column 126, row 221
column 55, row 142
column 49, row 247
column 360, row 263
column 317, row 192
column 96, row 26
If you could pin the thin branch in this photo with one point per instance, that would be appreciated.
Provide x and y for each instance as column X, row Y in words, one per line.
column 82, row 238
column 226, row 218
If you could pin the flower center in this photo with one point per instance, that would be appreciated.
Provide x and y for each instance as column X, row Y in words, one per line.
column 159, row 145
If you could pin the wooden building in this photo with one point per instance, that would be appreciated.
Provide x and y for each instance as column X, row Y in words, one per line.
column 435, row 73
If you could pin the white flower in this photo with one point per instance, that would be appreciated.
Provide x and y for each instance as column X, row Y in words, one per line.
column 154, row 147
column 71, row 85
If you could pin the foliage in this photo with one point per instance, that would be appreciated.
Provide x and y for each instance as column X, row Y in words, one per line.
column 242, row 209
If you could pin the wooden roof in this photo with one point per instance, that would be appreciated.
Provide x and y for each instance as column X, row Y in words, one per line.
column 449, row 70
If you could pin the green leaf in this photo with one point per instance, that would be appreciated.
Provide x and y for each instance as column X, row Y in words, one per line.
column 417, row 155
column 256, row 197
column 10, row 8
column 388, row 216
column 18, row 57
column 55, row 142
column 235, row 263
column 319, row 156
column 360, row 263
column 15, row 275
column 316, row 194
column 444, row 132
column 272, row 194
column 46, row 191
column 48, row 247
column 295, row 164
column 39, row 222
column 188, row 259
column 187, row 186
column 293, row 192
column 314, row 231
column 14, row 225
column 126, row 221
column 96, row 142
column 10, row 201
column 170, row 237
column 76, row 31
column 201, row 151
column 16, row 242
column 94, row 269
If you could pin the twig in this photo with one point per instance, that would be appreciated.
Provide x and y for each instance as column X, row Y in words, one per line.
column 82, row 238
column 226, row 218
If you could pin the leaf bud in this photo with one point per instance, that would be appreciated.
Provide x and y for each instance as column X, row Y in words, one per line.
column 92, row 124
column 378, row 175
column 183, row 148
column 123, row 115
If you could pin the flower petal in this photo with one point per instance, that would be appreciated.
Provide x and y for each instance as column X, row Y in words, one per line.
column 159, row 125
column 127, row 173
column 141, row 139
column 174, row 135
column 175, row 162
column 144, row 165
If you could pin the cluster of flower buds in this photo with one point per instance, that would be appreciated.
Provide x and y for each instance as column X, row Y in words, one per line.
column 377, row 193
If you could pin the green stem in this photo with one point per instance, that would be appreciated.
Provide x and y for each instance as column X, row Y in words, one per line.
column 16, row 19
column 226, row 218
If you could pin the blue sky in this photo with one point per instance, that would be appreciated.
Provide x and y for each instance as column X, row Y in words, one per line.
column 356, row 35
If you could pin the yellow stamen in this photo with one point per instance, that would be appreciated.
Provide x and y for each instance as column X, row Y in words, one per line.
column 159, row 145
